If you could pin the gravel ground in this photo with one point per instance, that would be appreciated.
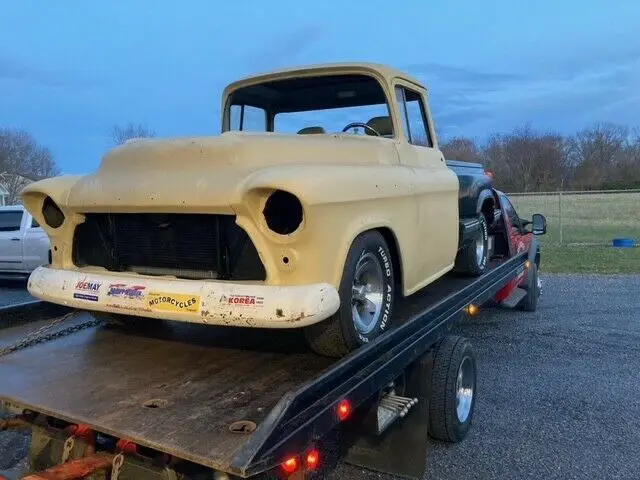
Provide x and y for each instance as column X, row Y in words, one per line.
column 557, row 389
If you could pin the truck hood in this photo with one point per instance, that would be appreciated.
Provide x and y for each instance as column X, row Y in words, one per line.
column 157, row 174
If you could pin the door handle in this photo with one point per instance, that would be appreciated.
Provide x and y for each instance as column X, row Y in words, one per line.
column 15, row 239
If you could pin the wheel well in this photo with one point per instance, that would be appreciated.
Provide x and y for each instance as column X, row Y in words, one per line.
column 487, row 209
column 392, row 243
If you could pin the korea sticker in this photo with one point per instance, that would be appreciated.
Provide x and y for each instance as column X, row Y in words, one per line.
column 173, row 302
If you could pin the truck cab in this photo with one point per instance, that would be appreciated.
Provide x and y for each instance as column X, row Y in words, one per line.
column 24, row 245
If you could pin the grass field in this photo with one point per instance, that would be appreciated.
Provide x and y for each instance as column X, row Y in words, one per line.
column 589, row 223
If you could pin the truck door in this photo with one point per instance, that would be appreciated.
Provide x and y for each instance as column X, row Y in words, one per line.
column 11, row 239
column 436, row 184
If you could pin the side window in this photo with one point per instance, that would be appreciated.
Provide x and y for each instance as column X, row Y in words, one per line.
column 403, row 111
column 510, row 211
column 10, row 221
column 247, row 118
column 34, row 223
column 415, row 116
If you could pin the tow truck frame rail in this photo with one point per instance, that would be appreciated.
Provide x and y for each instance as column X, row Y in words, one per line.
column 350, row 393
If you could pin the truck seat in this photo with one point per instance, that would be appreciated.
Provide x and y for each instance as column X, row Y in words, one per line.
column 382, row 125
column 311, row 130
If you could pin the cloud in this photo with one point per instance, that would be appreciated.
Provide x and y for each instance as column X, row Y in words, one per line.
column 283, row 50
column 14, row 70
column 451, row 73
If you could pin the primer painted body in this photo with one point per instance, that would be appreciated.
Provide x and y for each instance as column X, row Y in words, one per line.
column 347, row 185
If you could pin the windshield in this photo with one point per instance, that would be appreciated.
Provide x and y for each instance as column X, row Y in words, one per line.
column 312, row 105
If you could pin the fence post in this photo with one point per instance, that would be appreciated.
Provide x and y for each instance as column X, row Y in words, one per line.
column 560, row 213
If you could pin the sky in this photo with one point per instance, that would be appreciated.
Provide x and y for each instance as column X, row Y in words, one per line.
column 70, row 70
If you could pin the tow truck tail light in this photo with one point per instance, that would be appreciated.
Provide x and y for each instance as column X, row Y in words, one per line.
column 290, row 465
column 313, row 459
column 489, row 174
column 343, row 409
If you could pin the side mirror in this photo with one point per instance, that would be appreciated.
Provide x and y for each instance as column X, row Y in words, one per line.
column 539, row 224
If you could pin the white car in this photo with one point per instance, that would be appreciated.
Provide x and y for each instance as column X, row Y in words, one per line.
column 24, row 245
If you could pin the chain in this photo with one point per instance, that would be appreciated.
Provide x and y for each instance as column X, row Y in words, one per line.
column 38, row 336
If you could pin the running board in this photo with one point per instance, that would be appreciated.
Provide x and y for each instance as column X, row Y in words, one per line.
column 514, row 298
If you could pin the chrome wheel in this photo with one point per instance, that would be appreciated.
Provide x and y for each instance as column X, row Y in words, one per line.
column 464, row 389
column 479, row 250
column 366, row 293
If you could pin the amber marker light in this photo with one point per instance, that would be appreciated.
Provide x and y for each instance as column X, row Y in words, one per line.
column 472, row 309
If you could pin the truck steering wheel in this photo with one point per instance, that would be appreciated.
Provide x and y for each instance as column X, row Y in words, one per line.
column 363, row 125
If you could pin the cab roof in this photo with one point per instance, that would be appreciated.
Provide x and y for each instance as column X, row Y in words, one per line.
column 384, row 72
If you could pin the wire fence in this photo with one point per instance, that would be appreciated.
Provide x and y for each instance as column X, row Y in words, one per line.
column 584, row 217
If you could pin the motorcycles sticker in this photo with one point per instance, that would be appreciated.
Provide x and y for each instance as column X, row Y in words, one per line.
column 173, row 302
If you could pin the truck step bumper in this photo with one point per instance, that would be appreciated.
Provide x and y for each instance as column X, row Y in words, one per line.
column 208, row 302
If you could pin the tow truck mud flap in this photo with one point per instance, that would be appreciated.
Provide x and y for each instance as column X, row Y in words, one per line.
column 402, row 449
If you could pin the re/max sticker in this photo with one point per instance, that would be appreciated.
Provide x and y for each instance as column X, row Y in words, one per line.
column 173, row 302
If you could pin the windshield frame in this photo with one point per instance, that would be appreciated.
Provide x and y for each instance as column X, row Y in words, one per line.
column 232, row 90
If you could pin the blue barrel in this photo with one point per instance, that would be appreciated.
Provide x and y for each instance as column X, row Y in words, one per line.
column 624, row 242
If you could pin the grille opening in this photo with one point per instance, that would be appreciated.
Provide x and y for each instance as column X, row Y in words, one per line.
column 192, row 246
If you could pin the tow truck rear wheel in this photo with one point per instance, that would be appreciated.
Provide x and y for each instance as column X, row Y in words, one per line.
column 453, row 389
column 366, row 299
column 472, row 259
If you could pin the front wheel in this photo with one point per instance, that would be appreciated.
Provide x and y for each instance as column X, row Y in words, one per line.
column 366, row 299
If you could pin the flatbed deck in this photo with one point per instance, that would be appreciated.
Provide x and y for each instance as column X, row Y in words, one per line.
column 180, row 388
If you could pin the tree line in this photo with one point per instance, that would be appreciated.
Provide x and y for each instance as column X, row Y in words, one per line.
column 604, row 156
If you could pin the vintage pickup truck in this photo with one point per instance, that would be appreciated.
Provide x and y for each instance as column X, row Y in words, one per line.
column 324, row 198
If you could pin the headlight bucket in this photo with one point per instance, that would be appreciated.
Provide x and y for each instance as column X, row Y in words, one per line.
column 52, row 214
column 283, row 212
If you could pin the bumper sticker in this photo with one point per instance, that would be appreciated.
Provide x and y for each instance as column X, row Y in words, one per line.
column 87, row 290
column 173, row 302
column 242, row 300
column 123, row 290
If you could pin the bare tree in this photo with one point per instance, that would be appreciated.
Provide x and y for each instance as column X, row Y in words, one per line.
column 462, row 148
column 119, row 134
column 22, row 160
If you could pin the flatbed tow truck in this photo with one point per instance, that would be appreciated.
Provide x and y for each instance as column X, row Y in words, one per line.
column 187, row 401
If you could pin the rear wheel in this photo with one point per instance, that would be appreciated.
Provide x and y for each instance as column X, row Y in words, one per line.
column 473, row 258
column 366, row 299
column 453, row 389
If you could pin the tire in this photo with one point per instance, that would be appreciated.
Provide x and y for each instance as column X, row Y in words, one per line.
column 452, row 355
column 345, row 331
column 470, row 260
column 530, row 302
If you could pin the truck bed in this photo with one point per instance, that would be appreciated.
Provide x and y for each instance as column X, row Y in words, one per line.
column 203, row 378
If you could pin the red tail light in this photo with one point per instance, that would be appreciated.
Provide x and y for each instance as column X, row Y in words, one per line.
column 290, row 465
column 313, row 459
column 344, row 409
column 489, row 174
